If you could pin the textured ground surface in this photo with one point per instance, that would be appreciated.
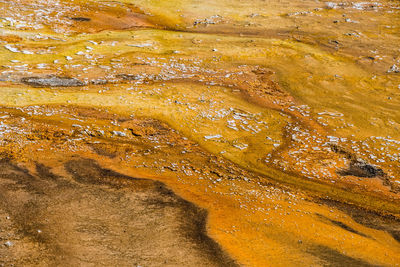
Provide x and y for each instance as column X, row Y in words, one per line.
column 184, row 133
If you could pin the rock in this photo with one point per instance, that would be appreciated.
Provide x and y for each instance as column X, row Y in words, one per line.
column 80, row 19
column 217, row 136
column 99, row 81
column 330, row 5
column 52, row 81
column 118, row 133
column 8, row 244
column 394, row 69
column 360, row 168
column 11, row 48
column 129, row 77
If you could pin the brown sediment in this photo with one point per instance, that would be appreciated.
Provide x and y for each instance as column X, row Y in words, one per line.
column 49, row 199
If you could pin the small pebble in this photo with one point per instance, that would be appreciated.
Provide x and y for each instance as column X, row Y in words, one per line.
column 8, row 244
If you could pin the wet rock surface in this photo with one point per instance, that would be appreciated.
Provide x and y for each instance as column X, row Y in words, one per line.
column 52, row 81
